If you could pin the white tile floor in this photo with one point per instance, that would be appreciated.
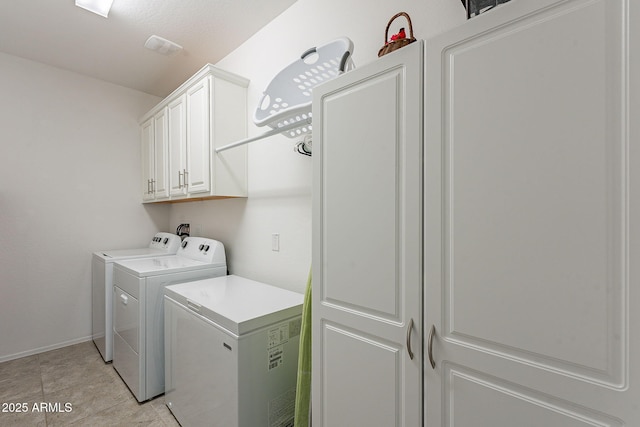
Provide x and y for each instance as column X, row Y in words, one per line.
column 72, row 386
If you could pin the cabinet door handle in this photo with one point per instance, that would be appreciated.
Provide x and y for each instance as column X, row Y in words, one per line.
column 179, row 179
column 432, row 333
column 185, row 174
column 124, row 299
column 409, row 328
column 148, row 186
column 153, row 186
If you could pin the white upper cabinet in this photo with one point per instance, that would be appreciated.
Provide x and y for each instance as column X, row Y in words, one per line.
column 207, row 111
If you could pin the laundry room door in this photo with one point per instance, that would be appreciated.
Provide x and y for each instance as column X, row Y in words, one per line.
column 532, row 217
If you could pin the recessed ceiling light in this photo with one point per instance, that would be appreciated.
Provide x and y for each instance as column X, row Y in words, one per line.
column 100, row 7
column 160, row 45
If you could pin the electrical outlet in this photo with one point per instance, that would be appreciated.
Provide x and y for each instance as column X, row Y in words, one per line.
column 275, row 242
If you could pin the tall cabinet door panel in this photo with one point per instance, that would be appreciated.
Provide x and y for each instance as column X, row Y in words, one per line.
column 198, row 137
column 161, row 152
column 531, row 217
column 147, row 152
column 177, row 113
column 367, row 265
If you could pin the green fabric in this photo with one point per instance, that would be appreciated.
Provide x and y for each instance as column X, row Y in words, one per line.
column 303, row 386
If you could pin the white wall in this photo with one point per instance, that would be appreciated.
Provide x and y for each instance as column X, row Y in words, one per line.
column 280, row 180
column 69, row 185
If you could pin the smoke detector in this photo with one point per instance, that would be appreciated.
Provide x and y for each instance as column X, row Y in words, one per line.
column 162, row 46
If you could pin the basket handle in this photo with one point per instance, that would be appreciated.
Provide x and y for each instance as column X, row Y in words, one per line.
column 397, row 15
column 343, row 61
column 307, row 53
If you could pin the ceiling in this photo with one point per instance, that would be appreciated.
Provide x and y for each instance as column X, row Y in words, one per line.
column 58, row 33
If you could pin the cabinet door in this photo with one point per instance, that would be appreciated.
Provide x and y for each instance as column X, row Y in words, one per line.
column 531, row 217
column 198, row 137
column 147, row 154
column 367, row 264
column 177, row 136
column 161, row 151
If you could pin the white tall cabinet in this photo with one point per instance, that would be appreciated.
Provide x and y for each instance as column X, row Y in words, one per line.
column 209, row 110
column 525, row 167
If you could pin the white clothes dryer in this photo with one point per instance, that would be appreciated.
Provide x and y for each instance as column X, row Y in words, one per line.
column 138, row 309
column 162, row 244
column 231, row 352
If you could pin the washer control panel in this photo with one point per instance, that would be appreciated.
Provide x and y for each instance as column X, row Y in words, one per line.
column 166, row 242
column 202, row 249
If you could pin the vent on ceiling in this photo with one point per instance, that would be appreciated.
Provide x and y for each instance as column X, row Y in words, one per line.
column 160, row 45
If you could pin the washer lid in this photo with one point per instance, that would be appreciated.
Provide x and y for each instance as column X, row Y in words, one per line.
column 237, row 304
column 161, row 244
column 144, row 267
column 113, row 255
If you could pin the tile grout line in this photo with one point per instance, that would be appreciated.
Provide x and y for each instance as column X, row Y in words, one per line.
column 46, row 415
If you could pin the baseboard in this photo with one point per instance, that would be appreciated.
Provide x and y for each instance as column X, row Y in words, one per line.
column 43, row 349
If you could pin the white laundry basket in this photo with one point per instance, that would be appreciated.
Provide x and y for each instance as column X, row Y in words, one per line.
column 287, row 99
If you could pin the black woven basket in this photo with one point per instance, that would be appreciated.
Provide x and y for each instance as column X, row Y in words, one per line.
column 476, row 7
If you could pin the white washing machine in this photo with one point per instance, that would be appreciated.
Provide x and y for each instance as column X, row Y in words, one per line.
column 162, row 244
column 231, row 352
column 138, row 313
